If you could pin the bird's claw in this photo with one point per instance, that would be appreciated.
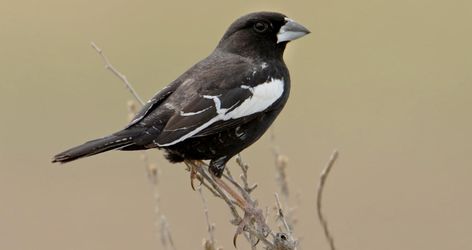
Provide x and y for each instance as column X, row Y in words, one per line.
column 235, row 238
column 194, row 174
column 252, row 216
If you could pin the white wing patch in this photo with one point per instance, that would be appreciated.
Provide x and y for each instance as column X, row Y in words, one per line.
column 263, row 96
column 182, row 113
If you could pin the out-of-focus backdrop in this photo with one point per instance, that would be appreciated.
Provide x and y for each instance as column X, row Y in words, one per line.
column 388, row 83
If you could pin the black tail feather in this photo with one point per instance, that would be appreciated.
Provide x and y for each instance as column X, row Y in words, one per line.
column 115, row 141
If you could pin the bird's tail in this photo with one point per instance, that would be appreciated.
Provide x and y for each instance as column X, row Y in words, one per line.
column 114, row 141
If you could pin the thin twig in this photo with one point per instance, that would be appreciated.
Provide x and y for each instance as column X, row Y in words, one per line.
column 282, row 217
column 117, row 73
column 240, row 188
column 319, row 194
column 281, row 162
column 245, row 190
column 152, row 172
column 210, row 227
column 244, row 168
column 166, row 236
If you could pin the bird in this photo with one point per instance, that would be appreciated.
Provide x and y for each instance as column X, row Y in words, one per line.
column 218, row 107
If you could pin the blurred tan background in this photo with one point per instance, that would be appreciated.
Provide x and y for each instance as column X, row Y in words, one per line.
column 388, row 83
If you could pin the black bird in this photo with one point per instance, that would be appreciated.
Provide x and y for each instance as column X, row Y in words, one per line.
column 218, row 107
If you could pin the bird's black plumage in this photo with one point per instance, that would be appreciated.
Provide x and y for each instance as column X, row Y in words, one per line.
column 218, row 107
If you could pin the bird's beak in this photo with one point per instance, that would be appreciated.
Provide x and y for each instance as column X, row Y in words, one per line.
column 291, row 30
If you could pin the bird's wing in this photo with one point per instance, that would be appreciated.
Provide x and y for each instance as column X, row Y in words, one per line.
column 154, row 102
column 205, row 114
column 212, row 108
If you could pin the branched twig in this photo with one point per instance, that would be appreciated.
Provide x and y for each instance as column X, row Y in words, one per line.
column 244, row 168
column 151, row 169
column 319, row 194
column 285, row 241
column 281, row 162
column 117, row 73
column 253, row 223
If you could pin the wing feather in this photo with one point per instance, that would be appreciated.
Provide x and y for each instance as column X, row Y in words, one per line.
column 200, row 116
column 199, row 103
column 154, row 103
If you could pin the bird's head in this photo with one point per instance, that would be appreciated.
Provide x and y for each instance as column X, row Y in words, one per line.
column 261, row 34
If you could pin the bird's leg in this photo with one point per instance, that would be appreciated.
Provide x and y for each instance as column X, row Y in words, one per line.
column 216, row 169
column 240, row 201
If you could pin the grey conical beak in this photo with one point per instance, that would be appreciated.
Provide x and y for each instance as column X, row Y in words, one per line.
column 291, row 30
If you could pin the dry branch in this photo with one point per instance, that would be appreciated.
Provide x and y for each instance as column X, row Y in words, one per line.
column 210, row 226
column 319, row 199
column 117, row 73
column 160, row 222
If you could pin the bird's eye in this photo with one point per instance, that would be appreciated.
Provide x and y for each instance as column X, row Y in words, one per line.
column 261, row 27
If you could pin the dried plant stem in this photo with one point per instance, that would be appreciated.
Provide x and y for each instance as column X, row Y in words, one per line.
column 117, row 73
column 151, row 170
column 210, row 227
column 282, row 217
column 244, row 168
column 160, row 219
column 253, row 222
column 319, row 194
column 166, row 236
column 220, row 192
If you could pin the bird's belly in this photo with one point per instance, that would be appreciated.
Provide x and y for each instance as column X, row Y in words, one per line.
column 226, row 143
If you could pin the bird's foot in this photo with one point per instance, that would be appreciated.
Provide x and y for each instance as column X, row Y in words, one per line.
column 193, row 168
column 253, row 219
